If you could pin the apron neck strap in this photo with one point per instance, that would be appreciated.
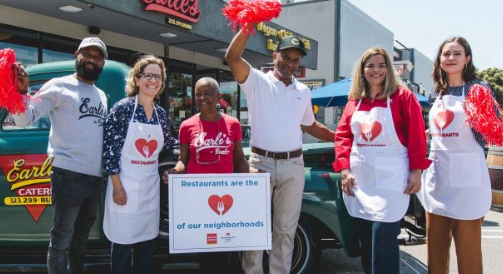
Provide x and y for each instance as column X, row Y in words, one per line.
column 388, row 101
column 136, row 105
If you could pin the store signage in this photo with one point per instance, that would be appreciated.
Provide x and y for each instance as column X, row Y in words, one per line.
column 402, row 67
column 301, row 71
column 268, row 31
column 178, row 23
column 29, row 180
column 183, row 9
column 313, row 84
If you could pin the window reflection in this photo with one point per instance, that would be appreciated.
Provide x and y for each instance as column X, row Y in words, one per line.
column 54, row 56
column 180, row 98
column 27, row 55
column 228, row 98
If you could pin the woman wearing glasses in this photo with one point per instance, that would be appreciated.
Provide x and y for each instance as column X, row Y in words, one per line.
column 135, row 132
column 210, row 142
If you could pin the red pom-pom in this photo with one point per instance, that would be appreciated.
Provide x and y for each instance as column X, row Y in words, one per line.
column 481, row 115
column 245, row 14
column 10, row 98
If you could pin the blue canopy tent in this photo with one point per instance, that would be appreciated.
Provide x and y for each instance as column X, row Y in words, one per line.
column 336, row 94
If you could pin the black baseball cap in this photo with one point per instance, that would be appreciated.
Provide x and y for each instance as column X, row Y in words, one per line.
column 292, row 42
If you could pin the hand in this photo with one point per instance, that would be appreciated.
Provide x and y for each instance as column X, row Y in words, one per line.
column 427, row 133
column 165, row 176
column 347, row 182
column 413, row 182
column 256, row 170
column 119, row 195
column 22, row 78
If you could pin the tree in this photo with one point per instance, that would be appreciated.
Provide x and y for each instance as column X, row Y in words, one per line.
column 494, row 77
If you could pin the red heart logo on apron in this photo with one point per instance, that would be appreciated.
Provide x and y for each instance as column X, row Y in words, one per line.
column 220, row 204
column 146, row 148
column 444, row 119
column 370, row 132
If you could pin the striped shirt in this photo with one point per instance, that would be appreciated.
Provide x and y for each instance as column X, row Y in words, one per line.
column 458, row 91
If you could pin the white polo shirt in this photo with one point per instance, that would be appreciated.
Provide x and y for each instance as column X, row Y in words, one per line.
column 276, row 111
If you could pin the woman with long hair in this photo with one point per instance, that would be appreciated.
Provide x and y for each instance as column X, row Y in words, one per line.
column 456, row 191
column 380, row 151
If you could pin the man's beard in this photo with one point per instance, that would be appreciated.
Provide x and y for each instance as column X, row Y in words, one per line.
column 86, row 73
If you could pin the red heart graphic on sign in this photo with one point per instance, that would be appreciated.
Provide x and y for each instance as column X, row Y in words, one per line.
column 220, row 204
column 146, row 148
column 444, row 119
column 370, row 132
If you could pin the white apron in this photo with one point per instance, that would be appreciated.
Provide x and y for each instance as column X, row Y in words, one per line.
column 457, row 183
column 138, row 219
column 380, row 165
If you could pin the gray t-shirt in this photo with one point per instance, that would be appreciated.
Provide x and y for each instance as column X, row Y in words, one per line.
column 77, row 111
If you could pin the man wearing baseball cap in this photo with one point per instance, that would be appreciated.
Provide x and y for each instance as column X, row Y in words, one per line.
column 77, row 109
column 280, row 108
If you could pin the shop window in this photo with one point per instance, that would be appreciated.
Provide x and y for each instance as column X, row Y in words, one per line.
column 179, row 98
column 244, row 118
column 58, row 49
column 54, row 56
column 25, row 47
column 228, row 98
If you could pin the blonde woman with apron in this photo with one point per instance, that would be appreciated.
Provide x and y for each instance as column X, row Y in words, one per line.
column 456, row 192
column 380, row 151
column 135, row 133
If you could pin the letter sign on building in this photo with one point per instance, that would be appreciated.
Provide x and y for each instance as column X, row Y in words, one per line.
column 183, row 9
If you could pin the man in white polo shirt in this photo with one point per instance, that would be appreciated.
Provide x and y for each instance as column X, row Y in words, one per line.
column 280, row 108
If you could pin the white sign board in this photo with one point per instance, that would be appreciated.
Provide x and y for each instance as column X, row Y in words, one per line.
column 219, row 212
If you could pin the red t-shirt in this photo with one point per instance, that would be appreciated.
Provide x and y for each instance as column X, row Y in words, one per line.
column 409, row 126
column 211, row 144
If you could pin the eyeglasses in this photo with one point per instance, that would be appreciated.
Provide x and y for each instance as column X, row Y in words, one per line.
column 207, row 154
column 149, row 76
column 88, row 55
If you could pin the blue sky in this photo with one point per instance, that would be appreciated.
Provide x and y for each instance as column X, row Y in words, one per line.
column 424, row 24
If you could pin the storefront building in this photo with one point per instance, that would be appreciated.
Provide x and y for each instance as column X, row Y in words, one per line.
column 191, row 36
column 344, row 33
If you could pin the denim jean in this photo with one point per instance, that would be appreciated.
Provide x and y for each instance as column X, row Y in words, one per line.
column 379, row 246
column 75, row 202
column 143, row 257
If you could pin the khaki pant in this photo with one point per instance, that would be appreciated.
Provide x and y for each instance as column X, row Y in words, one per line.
column 287, row 186
column 467, row 236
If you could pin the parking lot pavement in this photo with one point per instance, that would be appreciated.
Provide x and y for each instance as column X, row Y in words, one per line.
column 413, row 256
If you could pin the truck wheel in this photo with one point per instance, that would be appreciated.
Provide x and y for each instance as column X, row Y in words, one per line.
column 306, row 250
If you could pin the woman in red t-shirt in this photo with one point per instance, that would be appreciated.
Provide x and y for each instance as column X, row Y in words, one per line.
column 210, row 142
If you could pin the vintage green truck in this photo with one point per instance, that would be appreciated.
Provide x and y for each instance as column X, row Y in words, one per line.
column 25, row 192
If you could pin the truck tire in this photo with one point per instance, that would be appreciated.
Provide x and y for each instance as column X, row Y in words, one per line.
column 307, row 249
